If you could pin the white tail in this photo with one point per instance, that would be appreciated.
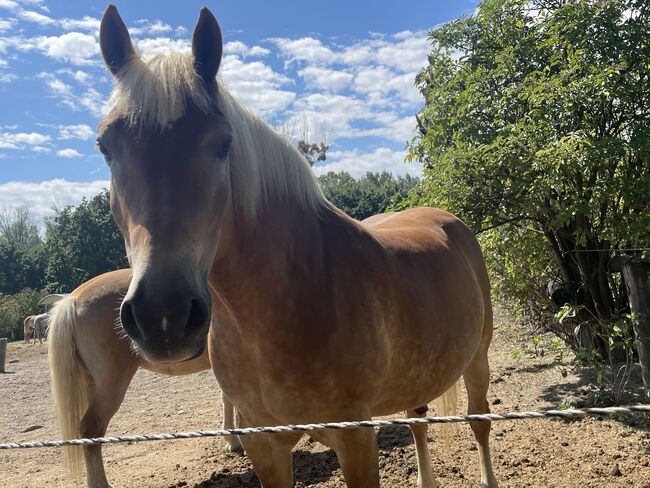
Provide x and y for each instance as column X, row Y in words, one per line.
column 447, row 403
column 69, row 381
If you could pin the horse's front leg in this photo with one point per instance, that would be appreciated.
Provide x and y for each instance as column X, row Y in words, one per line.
column 233, row 444
column 270, row 455
column 356, row 450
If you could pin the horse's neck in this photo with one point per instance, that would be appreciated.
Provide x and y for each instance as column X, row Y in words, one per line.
column 286, row 244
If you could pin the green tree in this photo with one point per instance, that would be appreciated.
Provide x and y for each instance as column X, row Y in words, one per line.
column 535, row 129
column 82, row 242
column 369, row 195
column 22, row 261
column 20, row 267
column 18, row 227
column 14, row 309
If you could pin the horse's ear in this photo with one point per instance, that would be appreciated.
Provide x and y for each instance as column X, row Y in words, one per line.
column 207, row 46
column 114, row 41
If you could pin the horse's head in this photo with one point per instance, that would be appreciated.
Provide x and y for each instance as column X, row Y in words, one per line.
column 167, row 145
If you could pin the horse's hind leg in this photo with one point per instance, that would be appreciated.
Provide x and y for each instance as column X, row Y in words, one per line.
column 232, row 441
column 105, row 399
column 477, row 379
column 425, row 472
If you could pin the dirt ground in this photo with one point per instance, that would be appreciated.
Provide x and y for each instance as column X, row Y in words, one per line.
column 531, row 453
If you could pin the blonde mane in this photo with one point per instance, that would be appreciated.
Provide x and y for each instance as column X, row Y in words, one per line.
column 157, row 90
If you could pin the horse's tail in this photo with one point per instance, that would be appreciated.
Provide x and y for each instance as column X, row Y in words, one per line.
column 447, row 403
column 69, row 381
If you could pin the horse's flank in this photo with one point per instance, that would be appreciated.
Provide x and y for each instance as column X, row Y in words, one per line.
column 400, row 280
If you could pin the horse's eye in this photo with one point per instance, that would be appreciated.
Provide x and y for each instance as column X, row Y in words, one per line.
column 104, row 151
column 224, row 148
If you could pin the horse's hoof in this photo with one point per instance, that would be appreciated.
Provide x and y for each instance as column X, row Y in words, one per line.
column 235, row 448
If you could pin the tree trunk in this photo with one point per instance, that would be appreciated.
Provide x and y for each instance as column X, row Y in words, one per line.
column 637, row 281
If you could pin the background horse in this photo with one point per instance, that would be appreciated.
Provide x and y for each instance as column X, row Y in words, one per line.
column 92, row 365
column 315, row 316
column 28, row 328
column 40, row 325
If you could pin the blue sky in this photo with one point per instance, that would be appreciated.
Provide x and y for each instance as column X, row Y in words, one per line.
column 339, row 70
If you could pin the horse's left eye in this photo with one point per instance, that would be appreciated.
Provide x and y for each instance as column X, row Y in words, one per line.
column 224, row 149
column 104, row 151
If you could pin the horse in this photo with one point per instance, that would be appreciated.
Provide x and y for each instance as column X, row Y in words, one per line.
column 28, row 328
column 40, row 325
column 308, row 315
column 92, row 364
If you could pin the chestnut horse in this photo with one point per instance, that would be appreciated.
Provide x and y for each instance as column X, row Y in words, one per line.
column 92, row 364
column 315, row 316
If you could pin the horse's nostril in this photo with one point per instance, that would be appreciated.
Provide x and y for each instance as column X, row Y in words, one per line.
column 129, row 322
column 197, row 317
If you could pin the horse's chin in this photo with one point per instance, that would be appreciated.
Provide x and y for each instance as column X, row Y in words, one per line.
column 137, row 351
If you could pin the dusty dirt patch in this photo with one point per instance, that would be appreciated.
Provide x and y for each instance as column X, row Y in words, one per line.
column 593, row 452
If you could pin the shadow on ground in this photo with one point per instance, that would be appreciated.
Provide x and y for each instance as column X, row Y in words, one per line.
column 600, row 386
column 309, row 467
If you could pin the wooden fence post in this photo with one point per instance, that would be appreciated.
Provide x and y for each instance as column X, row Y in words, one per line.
column 3, row 354
column 637, row 280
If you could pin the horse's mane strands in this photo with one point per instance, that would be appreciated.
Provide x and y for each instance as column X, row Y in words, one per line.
column 264, row 164
column 155, row 91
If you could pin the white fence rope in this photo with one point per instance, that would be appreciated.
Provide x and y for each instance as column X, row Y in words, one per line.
column 564, row 414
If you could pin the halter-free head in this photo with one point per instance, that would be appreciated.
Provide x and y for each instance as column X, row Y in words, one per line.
column 167, row 145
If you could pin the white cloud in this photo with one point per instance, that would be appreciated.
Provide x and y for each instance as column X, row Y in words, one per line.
column 88, row 24
column 162, row 44
column 305, row 49
column 150, row 28
column 359, row 163
column 41, row 197
column 89, row 99
column 326, row 79
column 57, row 86
column 6, row 24
column 68, row 153
column 9, row 4
column 409, row 54
column 241, row 49
column 36, row 18
column 256, row 85
column 72, row 47
column 79, row 131
column 78, row 75
column 19, row 140
column 7, row 77
column 406, row 51
column 336, row 113
column 378, row 81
